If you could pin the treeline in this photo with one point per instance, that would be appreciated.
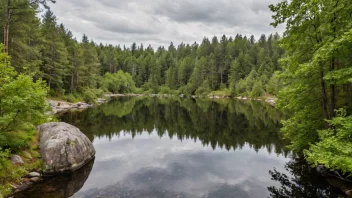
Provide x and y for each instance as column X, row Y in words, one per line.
column 241, row 65
column 46, row 50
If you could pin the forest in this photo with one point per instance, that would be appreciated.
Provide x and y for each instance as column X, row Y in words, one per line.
column 44, row 49
column 308, row 69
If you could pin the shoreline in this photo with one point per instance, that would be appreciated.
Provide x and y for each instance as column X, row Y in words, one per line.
column 59, row 106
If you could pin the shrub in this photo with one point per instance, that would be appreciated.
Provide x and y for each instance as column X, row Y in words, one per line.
column 21, row 100
column 119, row 82
column 167, row 90
column 223, row 93
column 334, row 148
column 70, row 98
column 149, row 91
column 202, row 91
column 138, row 90
column 186, row 90
column 240, row 88
column 257, row 90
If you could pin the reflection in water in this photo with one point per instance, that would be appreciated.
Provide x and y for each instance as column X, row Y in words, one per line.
column 61, row 186
column 150, row 166
column 224, row 123
column 152, row 147
column 305, row 182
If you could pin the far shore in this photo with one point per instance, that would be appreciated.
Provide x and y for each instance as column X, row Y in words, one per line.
column 63, row 106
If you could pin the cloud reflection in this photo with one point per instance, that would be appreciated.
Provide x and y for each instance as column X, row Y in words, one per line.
column 150, row 166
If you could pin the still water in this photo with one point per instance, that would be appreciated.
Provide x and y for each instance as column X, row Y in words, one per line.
column 152, row 147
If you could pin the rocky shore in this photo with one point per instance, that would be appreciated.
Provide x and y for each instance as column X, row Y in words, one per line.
column 269, row 100
column 58, row 106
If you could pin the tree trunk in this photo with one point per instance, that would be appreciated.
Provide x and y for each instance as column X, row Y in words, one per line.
column 333, row 91
column 324, row 96
column 332, row 68
column 221, row 77
column 7, row 27
column 71, row 90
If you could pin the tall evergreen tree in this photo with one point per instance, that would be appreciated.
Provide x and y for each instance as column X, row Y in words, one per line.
column 55, row 55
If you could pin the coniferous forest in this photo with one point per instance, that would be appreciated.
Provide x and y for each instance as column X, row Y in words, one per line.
column 308, row 69
column 44, row 49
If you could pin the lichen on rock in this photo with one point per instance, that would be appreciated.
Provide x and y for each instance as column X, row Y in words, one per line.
column 64, row 148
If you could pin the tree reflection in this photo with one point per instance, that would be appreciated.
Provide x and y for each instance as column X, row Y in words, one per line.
column 226, row 124
column 305, row 182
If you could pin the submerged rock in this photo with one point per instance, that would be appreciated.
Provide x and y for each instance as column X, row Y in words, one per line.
column 64, row 148
column 16, row 160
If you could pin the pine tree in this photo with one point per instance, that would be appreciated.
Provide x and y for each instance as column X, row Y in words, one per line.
column 54, row 66
column 91, row 71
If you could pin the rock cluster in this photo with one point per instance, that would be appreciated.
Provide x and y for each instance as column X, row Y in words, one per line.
column 61, row 106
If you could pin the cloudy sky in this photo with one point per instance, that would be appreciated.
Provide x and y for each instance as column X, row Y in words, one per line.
column 158, row 22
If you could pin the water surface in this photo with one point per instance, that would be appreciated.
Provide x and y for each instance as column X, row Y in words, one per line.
column 152, row 147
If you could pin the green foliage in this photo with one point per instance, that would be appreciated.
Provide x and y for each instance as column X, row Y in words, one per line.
column 334, row 146
column 239, row 88
column 185, row 90
column 257, row 90
column 55, row 54
column 274, row 85
column 10, row 173
column 222, row 92
column 14, row 140
column 317, row 74
column 167, row 90
column 91, row 95
column 72, row 97
column 203, row 90
column 4, row 164
column 21, row 100
column 119, row 82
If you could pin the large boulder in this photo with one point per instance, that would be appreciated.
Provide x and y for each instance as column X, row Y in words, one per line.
column 64, row 148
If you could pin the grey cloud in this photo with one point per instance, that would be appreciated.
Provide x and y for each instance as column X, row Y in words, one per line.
column 207, row 11
column 158, row 22
column 230, row 12
column 118, row 24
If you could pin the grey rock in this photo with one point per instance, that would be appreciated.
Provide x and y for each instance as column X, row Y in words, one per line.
column 24, row 186
column 322, row 170
column 35, row 179
column 348, row 192
column 33, row 174
column 16, row 160
column 64, row 148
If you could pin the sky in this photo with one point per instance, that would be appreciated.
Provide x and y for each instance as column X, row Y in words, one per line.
column 159, row 22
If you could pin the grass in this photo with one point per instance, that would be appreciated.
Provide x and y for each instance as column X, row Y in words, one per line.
column 10, row 174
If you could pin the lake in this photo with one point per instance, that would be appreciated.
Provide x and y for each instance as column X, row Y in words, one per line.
column 174, row 147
